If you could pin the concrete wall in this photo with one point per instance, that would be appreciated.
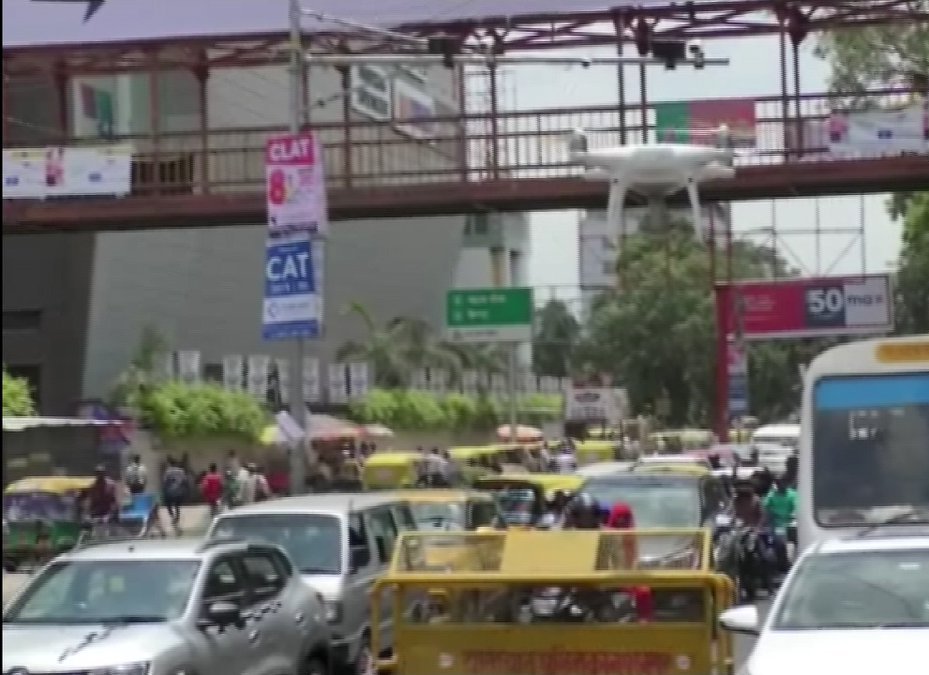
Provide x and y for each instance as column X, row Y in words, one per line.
column 203, row 287
column 48, row 274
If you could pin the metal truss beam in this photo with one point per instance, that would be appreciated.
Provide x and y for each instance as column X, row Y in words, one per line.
column 700, row 20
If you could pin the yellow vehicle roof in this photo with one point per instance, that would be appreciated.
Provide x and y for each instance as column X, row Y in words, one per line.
column 469, row 451
column 596, row 444
column 393, row 458
column 58, row 484
column 680, row 469
column 441, row 495
column 549, row 482
column 528, row 553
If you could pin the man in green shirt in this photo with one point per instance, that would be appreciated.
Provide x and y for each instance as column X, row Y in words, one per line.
column 780, row 507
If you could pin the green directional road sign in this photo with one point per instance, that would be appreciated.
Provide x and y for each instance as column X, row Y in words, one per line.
column 490, row 314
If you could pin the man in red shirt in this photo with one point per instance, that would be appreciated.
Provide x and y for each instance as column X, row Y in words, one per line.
column 211, row 487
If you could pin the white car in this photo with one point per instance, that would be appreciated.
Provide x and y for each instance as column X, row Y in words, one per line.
column 851, row 606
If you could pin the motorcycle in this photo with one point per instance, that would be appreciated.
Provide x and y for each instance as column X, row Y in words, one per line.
column 559, row 605
column 753, row 550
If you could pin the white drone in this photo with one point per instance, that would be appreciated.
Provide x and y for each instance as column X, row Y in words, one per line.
column 654, row 171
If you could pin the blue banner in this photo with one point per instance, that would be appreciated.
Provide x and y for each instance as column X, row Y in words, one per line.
column 292, row 306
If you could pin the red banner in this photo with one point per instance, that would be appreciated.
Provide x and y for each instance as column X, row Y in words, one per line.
column 795, row 308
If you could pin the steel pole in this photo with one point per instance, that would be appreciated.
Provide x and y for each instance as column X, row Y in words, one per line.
column 511, row 390
column 298, row 455
column 489, row 60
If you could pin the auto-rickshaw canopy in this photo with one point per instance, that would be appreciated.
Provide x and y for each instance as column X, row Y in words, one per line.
column 499, row 605
column 50, row 484
column 392, row 470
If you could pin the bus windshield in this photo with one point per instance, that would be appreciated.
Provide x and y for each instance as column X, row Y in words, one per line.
column 870, row 448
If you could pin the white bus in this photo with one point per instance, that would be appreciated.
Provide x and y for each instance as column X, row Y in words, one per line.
column 864, row 443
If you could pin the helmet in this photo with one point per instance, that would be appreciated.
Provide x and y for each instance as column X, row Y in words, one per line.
column 584, row 512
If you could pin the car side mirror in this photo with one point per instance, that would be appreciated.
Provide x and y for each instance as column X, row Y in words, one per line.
column 359, row 556
column 743, row 619
column 223, row 613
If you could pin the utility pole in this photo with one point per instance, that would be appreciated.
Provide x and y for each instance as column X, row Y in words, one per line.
column 299, row 410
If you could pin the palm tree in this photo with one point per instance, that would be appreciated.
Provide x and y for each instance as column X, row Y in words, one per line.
column 396, row 349
column 141, row 375
column 404, row 344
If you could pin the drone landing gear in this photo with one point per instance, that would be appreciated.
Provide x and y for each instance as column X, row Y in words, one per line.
column 694, row 196
column 615, row 209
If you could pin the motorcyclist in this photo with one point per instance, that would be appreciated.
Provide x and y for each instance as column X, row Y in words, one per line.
column 746, row 505
column 554, row 513
column 780, row 506
column 622, row 518
column 583, row 513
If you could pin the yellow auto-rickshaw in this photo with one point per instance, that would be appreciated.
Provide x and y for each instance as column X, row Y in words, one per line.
column 41, row 518
column 524, row 497
column 392, row 470
column 594, row 602
column 591, row 452
column 521, row 456
column 680, row 440
column 474, row 461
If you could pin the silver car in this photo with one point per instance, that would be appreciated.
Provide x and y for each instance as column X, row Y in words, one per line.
column 341, row 544
column 164, row 607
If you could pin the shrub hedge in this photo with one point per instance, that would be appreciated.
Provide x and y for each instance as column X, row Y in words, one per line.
column 179, row 410
column 17, row 399
column 419, row 410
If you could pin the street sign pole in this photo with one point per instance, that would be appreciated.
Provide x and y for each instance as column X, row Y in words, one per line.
column 511, row 387
column 502, row 315
column 300, row 412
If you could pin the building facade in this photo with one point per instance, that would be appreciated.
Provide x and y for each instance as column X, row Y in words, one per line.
column 75, row 305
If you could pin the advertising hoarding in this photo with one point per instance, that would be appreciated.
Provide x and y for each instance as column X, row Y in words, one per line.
column 799, row 308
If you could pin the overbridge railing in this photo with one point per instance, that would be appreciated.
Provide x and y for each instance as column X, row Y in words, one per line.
column 475, row 147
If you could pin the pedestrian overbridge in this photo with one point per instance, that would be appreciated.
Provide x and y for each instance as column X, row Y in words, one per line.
column 512, row 161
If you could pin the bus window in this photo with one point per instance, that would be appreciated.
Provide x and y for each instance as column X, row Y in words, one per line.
column 870, row 442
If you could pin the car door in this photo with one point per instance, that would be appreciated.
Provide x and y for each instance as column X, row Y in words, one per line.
column 221, row 651
column 269, row 614
column 362, row 572
column 384, row 533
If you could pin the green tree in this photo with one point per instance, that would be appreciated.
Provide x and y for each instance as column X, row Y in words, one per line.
column 17, row 396
column 657, row 336
column 141, row 376
column 912, row 279
column 877, row 56
column 880, row 56
column 555, row 340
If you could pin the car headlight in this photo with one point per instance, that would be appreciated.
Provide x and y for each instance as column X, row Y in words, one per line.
column 333, row 611
column 125, row 669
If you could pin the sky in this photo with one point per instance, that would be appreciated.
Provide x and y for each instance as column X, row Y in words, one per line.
column 754, row 70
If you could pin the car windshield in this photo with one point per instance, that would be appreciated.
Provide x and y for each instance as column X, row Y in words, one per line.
column 654, row 503
column 106, row 591
column 438, row 515
column 517, row 505
column 313, row 541
column 862, row 589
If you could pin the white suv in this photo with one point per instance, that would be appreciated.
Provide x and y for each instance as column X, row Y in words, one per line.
column 855, row 606
column 165, row 607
